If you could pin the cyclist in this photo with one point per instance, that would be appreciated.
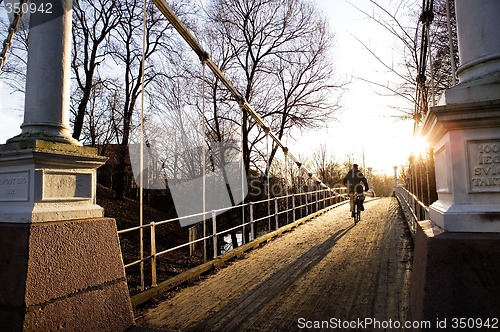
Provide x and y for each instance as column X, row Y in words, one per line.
column 353, row 180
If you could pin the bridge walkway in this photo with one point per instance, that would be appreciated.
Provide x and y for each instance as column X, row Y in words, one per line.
column 326, row 269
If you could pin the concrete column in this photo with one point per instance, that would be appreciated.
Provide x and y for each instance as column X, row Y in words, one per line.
column 46, row 110
column 479, row 52
column 464, row 129
column 478, row 38
column 61, row 262
column 456, row 265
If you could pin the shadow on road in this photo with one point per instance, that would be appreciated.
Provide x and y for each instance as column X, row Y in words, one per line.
column 239, row 310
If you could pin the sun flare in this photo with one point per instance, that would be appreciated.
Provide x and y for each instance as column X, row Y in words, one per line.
column 420, row 146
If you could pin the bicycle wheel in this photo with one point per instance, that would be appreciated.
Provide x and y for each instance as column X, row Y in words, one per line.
column 355, row 210
column 358, row 210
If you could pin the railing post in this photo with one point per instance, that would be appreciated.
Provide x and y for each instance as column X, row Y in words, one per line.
column 300, row 205
column 252, row 234
column 293, row 207
column 153, row 254
column 319, row 199
column 318, row 196
column 287, row 209
column 191, row 238
column 214, row 230
column 307, row 210
column 205, row 254
column 242, row 223
column 276, row 212
column 415, row 206
column 268, row 214
column 317, row 202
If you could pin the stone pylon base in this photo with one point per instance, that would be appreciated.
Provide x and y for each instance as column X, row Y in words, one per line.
column 65, row 275
column 455, row 275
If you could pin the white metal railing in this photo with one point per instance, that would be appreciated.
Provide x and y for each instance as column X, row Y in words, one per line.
column 308, row 202
column 312, row 199
column 413, row 209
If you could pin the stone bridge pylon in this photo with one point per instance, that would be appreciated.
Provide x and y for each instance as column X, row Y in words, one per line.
column 456, row 271
column 61, row 265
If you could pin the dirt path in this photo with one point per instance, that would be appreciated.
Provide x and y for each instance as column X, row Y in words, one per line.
column 326, row 269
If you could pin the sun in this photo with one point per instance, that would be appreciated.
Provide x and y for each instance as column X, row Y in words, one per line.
column 420, row 146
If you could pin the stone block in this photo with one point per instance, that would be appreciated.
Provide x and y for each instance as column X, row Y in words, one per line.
column 13, row 262
column 63, row 276
column 70, row 256
column 454, row 275
column 103, row 309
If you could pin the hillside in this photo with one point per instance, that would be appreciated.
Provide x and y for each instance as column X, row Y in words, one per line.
column 126, row 214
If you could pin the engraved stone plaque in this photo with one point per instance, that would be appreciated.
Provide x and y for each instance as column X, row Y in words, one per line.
column 14, row 186
column 484, row 165
column 62, row 186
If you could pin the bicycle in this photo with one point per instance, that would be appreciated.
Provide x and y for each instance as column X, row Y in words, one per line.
column 358, row 202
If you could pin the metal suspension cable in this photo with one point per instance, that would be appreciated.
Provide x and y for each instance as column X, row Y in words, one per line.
column 205, row 57
column 450, row 41
column 421, row 102
column 242, row 174
column 426, row 18
column 7, row 44
column 141, row 148
column 431, row 68
column 203, row 161
column 268, row 166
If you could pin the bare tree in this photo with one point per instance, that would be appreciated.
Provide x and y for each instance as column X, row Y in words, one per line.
column 395, row 19
column 97, row 130
column 93, row 22
column 441, row 53
column 127, row 52
column 404, row 21
column 177, row 129
column 278, row 61
column 13, row 72
column 326, row 168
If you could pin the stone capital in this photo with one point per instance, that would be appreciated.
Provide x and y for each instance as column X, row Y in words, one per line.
column 42, row 181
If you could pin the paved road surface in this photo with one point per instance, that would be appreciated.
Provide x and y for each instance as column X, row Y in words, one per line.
column 326, row 270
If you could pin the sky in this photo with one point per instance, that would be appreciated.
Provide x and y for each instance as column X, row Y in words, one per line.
column 367, row 121
column 365, row 125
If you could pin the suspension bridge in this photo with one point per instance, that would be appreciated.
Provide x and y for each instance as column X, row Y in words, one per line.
column 325, row 270
column 301, row 263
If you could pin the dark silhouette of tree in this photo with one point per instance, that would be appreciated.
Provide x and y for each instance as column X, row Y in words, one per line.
column 93, row 22
column 127, row 52
column 278, row 62
column 13, row 72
